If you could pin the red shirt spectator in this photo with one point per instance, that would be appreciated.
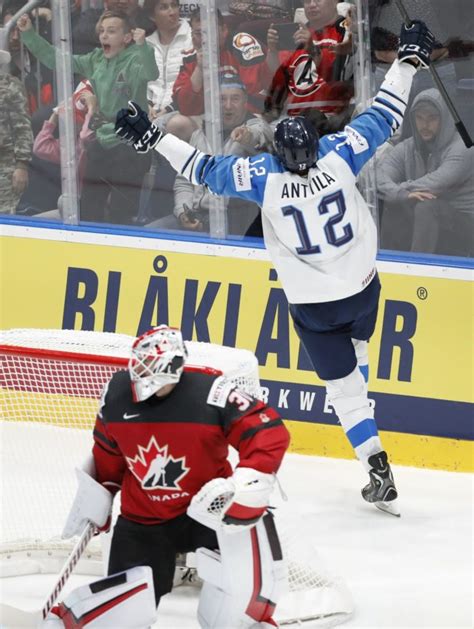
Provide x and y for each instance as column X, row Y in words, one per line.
column 244, row 56
column 310, row 76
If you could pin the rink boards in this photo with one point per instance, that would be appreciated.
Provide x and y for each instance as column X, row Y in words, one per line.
column 421, row 354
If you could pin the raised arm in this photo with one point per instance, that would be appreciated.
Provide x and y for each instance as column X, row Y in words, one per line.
column 226, row 175
column 366, row 132
column 45, row 52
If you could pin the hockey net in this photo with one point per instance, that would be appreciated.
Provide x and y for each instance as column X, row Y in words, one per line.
column 50, row 384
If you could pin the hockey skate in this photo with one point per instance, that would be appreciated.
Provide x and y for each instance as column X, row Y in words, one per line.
column 381, row 490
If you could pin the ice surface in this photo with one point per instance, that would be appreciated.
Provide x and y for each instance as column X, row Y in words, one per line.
column 413, row 571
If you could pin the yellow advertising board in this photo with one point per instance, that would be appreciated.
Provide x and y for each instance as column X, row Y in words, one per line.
column 421, row 378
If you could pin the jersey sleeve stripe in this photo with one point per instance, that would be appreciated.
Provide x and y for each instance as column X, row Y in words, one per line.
column 188, row 169
column 392, row 121
column 98, row 446
column 188, row 160
column 202, row 172
column 389, row 105
column 252, row 431
column 101, row 437
column 394, row 96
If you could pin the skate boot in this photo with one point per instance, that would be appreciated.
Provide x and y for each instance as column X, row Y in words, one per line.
column 381, row 490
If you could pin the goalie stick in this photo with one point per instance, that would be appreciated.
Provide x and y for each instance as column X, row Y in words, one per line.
column 458, row 123
column 13, row 616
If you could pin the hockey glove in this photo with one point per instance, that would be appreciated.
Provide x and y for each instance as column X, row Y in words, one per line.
column 250, row 500
column 416, row 43
column 93, row 502
column 134, row 127
column 235, row 503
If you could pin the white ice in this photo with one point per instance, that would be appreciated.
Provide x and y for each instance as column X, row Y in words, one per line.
column 413, row 571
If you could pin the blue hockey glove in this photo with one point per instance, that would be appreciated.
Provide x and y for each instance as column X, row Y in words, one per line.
column 416, row 43
column 133, row 126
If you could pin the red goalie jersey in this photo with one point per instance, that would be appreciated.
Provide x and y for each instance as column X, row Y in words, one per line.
column 163, row 450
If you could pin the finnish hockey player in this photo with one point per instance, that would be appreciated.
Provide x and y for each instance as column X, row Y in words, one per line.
column 162, row 436
column 320, row 236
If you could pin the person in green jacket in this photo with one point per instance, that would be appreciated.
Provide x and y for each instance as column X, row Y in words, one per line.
column 119, row 71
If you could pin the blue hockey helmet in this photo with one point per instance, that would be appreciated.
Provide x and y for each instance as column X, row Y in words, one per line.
column 296, row 143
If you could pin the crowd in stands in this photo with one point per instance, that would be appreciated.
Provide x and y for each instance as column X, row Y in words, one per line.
column 279, row 58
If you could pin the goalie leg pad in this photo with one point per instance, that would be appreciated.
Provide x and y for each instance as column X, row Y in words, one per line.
column 242, row 583
column 125, row 600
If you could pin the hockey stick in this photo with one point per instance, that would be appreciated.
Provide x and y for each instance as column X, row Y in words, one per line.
column 458, row 123
column 15, row 617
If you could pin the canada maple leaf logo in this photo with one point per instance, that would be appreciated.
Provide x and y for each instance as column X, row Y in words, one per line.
column 155, row 469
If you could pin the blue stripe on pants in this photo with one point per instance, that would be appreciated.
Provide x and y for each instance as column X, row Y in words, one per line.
column 364, row 370
column 362, row 432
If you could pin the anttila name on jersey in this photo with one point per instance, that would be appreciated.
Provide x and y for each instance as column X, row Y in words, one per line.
column 316, row 183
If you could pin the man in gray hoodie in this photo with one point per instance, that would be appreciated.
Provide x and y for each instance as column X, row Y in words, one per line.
column 427, row 185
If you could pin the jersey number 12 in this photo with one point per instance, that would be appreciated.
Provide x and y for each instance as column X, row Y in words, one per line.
column 307, row 248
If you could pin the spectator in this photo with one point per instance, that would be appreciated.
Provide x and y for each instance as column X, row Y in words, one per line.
column 427, row 185
column 315, row 79
column 36, row 77
column 84, row 35
column 245, row 134
column 16, row 138
column 171, row 37
column 325, row 29
column 244, row 56
column 118, row 72
column 46, row 145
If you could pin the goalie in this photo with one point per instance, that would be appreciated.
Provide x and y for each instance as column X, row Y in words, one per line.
column 162, row 436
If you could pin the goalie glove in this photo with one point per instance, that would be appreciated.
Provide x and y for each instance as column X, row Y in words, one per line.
column 235, row 503
column 416, row 43
column 92, row 503
column 133, row 126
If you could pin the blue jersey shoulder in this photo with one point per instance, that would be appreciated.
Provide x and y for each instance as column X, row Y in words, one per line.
column 243, row 177
column 359, row 140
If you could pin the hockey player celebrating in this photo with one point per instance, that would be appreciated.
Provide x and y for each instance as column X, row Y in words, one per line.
column 320, row 235
column 162, row 436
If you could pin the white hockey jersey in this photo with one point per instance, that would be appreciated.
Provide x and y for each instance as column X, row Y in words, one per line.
column 318, row 229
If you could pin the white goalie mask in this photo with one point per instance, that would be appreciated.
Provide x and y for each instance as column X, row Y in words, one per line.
column 157, row 359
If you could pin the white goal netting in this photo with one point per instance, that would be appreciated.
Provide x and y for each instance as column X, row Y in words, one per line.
column 50, row 383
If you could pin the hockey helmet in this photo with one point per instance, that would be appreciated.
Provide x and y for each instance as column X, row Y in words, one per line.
column 296, row 143
column 157, row 359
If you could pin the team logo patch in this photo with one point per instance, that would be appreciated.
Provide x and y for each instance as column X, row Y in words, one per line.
column 247, row 46
column 241, row 174
column 219, row 392
column 356, row 140
column 155, row 469
column 304, row 77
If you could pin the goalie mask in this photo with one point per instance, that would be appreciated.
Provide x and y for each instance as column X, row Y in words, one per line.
column 158, row 358
column 296, row 144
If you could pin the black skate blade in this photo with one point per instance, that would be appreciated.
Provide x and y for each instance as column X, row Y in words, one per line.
column 389, row 507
